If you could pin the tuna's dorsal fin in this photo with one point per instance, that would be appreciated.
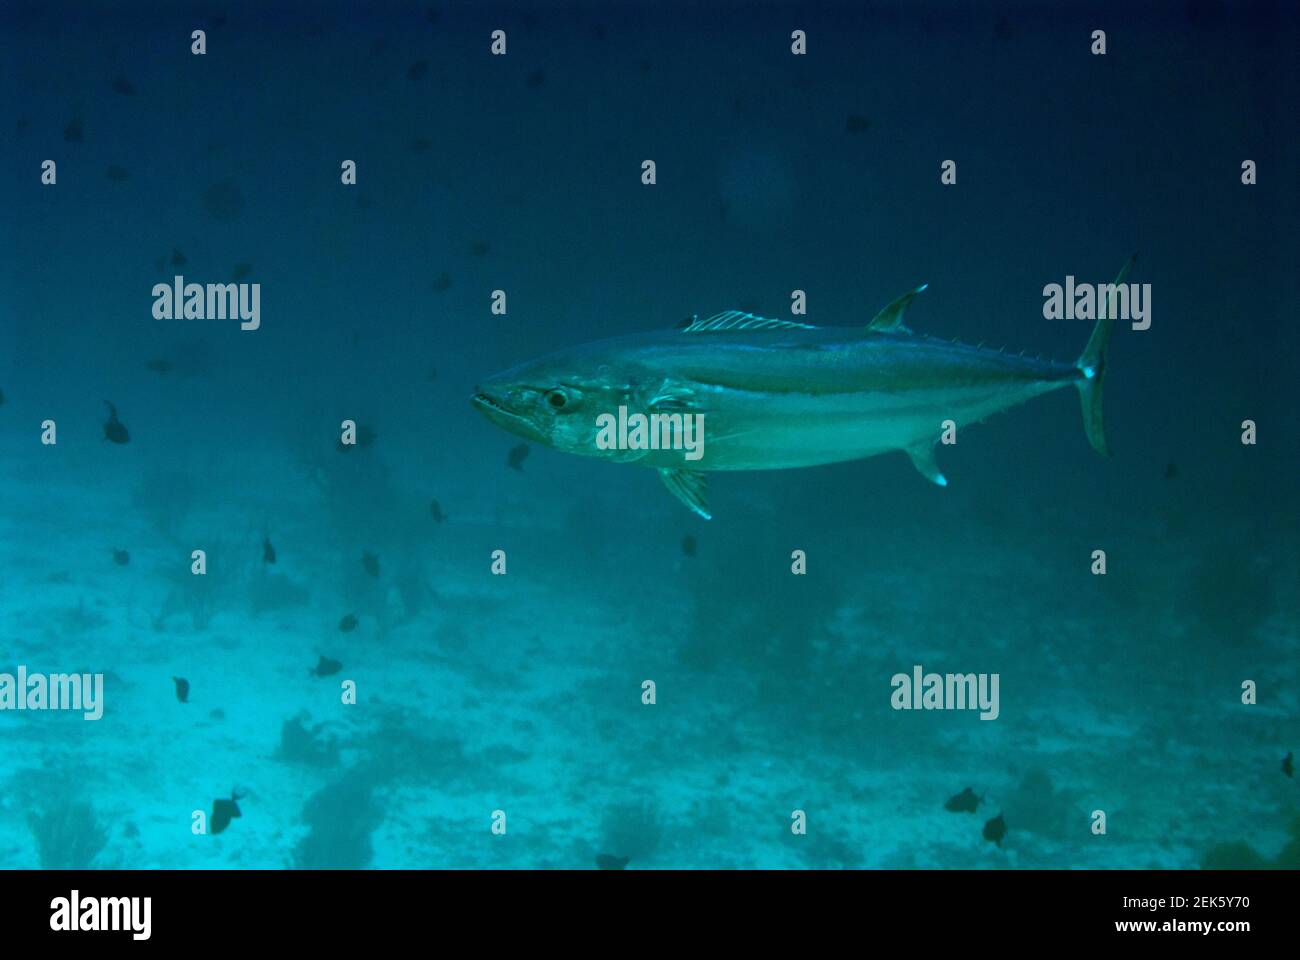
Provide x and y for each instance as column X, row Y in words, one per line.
column 891, row 318
column 923, row 459
column 691, row 487
column 739, row 320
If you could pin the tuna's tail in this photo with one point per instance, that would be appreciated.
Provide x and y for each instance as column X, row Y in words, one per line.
column 1092, row 364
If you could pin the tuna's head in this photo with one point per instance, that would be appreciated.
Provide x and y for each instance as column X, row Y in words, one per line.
column 555, row 401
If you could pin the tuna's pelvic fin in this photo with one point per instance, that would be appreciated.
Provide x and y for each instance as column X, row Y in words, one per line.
column 691, row 487
column 891, row 318
column 1092, row 364
column 923, row 459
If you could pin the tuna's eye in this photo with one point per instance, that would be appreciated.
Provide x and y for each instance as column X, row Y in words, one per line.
column 557, row 399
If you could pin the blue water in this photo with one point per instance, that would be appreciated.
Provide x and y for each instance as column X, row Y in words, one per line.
column 515, row 701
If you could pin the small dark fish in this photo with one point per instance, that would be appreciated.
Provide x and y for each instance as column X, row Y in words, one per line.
column 121, row 557
column 159, row 365
column 326, row 667
column 605, row 862
column 117, row 174
column 419, row 144
column 435, row 511
column 123, row 85
column 223, row 811
column 75, row 131
column 964, row 802
column 856, row 123
column 432, row 14
column 688, row 546
column 480, row 248
column 995, row 830
column 516, row 457
column 2, row 398
column 536, row 80
column 223, row 200
column 268, row 551
column 442, row 282
column 431, row 376
column 417, row 70
column 114, row 430
column 241, row 271
column 178, row 258
column 1288, row 766
column 371, row 562
column 645, row 66
column 1003, row 29
column 1171, row 470
column 348, row 623
column 182, row 689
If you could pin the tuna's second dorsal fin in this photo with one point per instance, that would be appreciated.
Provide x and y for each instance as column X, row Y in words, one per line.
column 739, row 320
column 891, row 318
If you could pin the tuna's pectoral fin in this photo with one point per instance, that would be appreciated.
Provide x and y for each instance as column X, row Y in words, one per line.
column 923, row 458
column 691, row 487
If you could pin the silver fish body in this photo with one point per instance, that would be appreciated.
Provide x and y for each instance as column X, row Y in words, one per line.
column 778, row 399
column 775, row 394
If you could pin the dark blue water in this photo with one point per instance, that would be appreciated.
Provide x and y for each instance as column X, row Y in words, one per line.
column 499, row 719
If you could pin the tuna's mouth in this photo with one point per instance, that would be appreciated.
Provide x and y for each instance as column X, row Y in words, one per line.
column 494, row 409
column 483, row 400
column 504, row 417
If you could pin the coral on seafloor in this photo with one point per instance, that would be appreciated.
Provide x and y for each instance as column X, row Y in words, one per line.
column 68, row 835
column 1240, row 855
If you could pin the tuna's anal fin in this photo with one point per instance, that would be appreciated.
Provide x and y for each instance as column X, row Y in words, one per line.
column 890, row 319
column 923, row 459
column 691, row 487
column 1092, row 364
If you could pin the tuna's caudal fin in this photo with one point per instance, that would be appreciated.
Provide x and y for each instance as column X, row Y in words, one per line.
column 1093, row 366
